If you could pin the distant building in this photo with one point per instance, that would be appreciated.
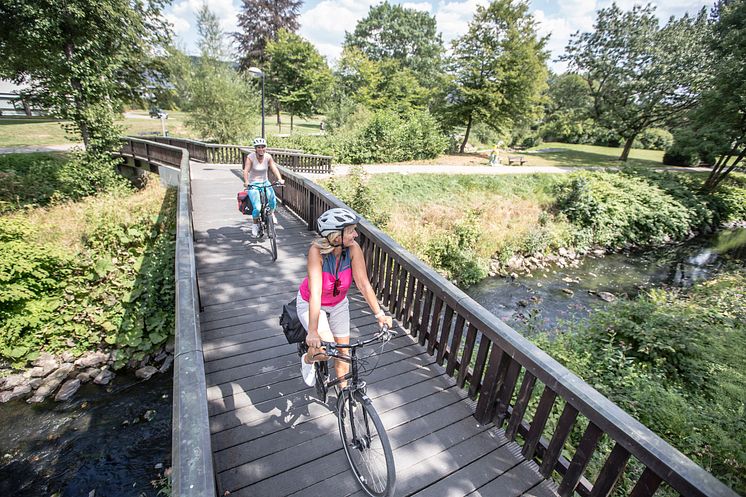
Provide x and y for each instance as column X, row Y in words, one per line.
column 11, row 103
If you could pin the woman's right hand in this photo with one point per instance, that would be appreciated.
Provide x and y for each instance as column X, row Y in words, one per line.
column 313, row 340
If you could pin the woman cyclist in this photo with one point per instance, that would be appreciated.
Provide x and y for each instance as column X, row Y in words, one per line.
column 255, row 168
column 334, row 261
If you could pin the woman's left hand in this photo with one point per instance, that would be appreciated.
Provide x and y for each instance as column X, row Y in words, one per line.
column 281, row 181
column 385, row 320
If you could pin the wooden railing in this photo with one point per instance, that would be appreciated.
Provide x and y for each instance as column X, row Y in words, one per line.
column 214, row 153
column 191, row 451
column 517, row 386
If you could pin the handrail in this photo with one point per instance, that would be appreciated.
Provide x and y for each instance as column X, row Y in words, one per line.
column 217, row 153
column 193, row 474
column 489, row 357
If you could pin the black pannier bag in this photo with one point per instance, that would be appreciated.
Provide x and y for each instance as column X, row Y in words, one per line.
column 291, row 325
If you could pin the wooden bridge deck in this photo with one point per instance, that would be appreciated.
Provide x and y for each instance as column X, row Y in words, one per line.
column 271, row 436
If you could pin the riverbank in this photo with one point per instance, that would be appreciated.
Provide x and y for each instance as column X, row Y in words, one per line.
column 470, row 226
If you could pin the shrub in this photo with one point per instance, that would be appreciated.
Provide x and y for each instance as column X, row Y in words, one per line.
column 654, row 139
column 357, row 194
column 380, row 136
column 677, row 155
column 455, row 252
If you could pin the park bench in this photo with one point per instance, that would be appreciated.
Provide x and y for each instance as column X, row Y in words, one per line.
column 516, row 160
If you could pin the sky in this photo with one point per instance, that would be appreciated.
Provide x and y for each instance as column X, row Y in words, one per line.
column 324, row 22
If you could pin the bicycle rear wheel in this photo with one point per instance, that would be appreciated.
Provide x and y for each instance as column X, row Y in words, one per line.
column 271, row 235
column 366, row 445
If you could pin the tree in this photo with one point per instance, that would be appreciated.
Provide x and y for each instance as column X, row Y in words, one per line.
column 224, row 104
column 406, row 35
column 567, row 110
column 720, row 121
column 498, row 68
column 81, row 58
column 297, row 75
column 261, row 21
column 640, row 75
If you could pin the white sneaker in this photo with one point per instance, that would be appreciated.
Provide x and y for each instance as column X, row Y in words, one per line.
column 274, row 218
column 307, row 372
column 254, row 230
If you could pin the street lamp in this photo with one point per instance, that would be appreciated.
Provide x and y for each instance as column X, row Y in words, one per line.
column 257, row 73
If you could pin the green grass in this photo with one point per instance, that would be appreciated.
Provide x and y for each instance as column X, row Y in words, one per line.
column 36, row 132
column 573, row 155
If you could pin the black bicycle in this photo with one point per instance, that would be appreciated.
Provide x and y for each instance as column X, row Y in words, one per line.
column 364, row 438
column 266, row 223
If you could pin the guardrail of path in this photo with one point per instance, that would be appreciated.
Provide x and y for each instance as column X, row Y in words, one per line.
column 193, row 474
column 215, row 153
column 517, row 386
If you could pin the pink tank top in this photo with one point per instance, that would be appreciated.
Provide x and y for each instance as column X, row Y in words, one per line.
column 328, row 269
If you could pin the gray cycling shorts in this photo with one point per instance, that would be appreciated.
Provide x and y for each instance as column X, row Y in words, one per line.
column 336, row 325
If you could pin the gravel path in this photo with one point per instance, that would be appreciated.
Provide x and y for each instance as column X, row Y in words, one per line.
column 343, row 169
column 44, row 148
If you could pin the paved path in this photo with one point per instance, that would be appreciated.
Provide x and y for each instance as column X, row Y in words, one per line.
column 271, row 436
column 42, row 148
column 342, row 169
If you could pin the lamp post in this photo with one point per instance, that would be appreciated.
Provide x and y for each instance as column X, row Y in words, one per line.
column 258, row 73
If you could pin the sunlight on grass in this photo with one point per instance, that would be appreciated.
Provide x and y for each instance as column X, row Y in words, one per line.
column 572, row 155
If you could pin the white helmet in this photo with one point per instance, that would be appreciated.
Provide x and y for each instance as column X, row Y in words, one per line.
column 258, row 142
column 335, row 220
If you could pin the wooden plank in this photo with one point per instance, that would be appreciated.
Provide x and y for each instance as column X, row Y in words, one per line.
column 506, row 392
column 512, row 483
column 406, row 313
column 476, row 376
column 471, row 338
column 611, row 471
column 432, row 335
column 400, row 303
column 580, row 460
column 496, row 370
column 425, row 318
column 561, row 432
column 454, row 348
column 414, row 321
column 646, row 485
column 538, row 422
column 445, row 335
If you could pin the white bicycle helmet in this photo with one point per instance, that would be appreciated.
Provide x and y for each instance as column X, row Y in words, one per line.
column 258, row 142
column 335, row 220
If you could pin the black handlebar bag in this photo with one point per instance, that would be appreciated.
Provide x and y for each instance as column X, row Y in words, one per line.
column 291, row 325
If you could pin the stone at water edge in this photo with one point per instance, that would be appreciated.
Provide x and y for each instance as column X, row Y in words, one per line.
column 18, row 391
column 608, row 297
column 104, row 377
column 92, row 359
column 568, row 291
column 14, row 380
column 45, row 390
column 166, row 364
column 146, row 372
column 67, row 390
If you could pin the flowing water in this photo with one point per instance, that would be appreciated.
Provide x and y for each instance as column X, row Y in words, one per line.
column 107, row 442
column 566, row 295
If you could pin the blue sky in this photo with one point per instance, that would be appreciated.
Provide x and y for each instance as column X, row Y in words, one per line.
column 324, row 22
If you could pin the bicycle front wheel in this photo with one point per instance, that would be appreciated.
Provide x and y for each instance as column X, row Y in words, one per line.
column 271, row 235
column 366, row 445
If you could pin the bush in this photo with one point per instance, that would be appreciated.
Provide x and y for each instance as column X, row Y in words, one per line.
column 376, row 136
column 675, row 361
column 455, row 252
column 40, row 179
column 654, row 139
column 678, row 155
column 356, row 194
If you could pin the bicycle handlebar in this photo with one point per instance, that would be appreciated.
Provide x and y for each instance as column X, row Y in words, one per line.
column 385, row 334
column 256, row 187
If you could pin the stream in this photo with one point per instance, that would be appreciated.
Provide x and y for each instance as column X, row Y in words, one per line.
column 564, row 295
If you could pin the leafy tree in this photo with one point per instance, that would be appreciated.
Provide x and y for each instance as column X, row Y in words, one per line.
column 719, row 123
column 224, row 103
column 378, row 84
column 297, row 75
column 567, row 109
column 499, row 69
column 640, row 75
column 261, row 21
column 406, row 35
column 81, row 58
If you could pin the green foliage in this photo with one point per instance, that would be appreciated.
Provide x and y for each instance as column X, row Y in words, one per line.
column 499, row 70
column 627, row 54
column 41, row 179
column 297, row 76
column 675, row 361
column 654, row 139
column 223, row 103
column 260, row 21
column 356, row 193
column 632, row 208
column 407, row 37
column 81, row 58
column 118, row 293
column 455, row 252
column 380, row 136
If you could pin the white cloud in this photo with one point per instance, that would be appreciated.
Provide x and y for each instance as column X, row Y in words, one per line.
column 423, row 6
column 183, row 16
column 453, row 18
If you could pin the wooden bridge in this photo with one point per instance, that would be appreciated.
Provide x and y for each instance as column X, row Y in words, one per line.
column 471, row 407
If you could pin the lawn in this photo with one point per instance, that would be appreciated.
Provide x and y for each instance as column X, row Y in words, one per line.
column 29, row 132
column 568, row 154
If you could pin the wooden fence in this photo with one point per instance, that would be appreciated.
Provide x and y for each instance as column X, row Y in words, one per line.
column 516, row 385
column 213, row 153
